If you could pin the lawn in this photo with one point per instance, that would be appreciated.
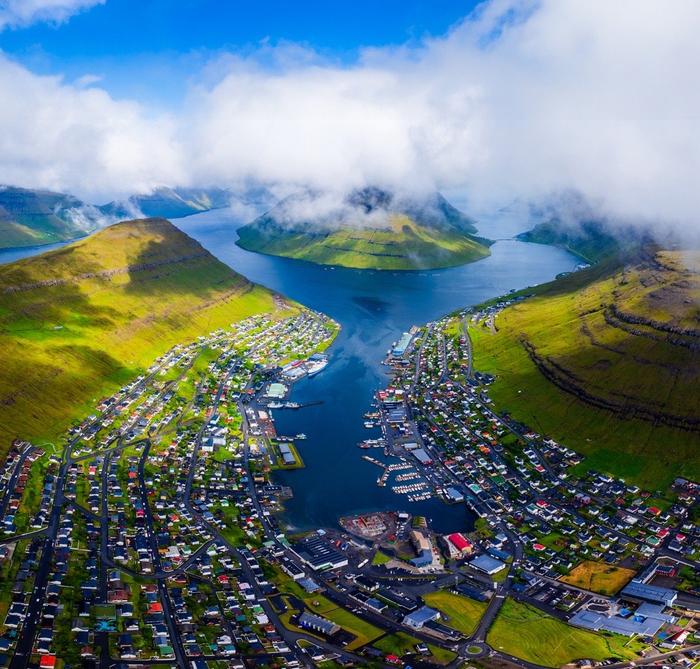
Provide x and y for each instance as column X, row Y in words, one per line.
column 380, row 558
column 598, row 577
column 531, row 635
column 460, row 613
column 401, row 644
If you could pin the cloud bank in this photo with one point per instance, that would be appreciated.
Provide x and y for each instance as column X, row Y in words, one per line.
column 17, row 13
column 523, row 99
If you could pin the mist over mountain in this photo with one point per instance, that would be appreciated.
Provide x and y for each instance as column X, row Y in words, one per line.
column 371, row 227
column 33, row 217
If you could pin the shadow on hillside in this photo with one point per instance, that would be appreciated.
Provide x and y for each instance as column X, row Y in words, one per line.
column 179, row 265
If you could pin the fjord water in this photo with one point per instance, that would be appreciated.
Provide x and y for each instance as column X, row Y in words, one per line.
column 373, row 309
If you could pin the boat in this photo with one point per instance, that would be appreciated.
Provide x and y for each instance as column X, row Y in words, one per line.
column 369, row 424
column 316, row 366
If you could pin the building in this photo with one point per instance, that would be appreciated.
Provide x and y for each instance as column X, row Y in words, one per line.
column 487, row 564
column 276, row 391
column 313, row 622
column 638, row 591
column 422, row 457
column 461, row 544
column 416, row 619
column 453, row 495
column 318, row 554
column 287, row 455
column 424, row 549
column 401, row 346
column 646, row 621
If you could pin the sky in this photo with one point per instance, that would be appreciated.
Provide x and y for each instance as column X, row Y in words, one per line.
column 507, row 100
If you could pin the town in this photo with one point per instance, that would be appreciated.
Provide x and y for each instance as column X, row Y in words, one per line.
column 152, row 536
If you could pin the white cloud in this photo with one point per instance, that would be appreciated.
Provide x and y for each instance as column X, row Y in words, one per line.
column 17, row 13
column 63, row 137
column 521, row 100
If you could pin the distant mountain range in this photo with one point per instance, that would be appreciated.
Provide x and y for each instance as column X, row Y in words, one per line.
column 32, row 217
column 170, row 202
column 369, row 228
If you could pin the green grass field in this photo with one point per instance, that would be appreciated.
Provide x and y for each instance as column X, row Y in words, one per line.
column 605, row 361
column 531, row 635
column 460, row 613
column 404, row 245
column 401, row 644
column 78, row 322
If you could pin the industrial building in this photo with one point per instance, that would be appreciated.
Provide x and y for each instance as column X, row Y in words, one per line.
column 318, row 554
column 422, row 457
column 287, row 455
column 487, row 564
column 416, row 619
column 313, row 622
column 401, row 346
column 638, row 591
column 647, row 620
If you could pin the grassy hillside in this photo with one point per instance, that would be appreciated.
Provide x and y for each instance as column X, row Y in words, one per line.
column 34, row 217
column 608, row 361
column 77, row 322
column 401, row 244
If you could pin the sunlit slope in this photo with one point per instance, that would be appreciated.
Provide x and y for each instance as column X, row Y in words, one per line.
column 77, row 322
column 399, row 245
column 608, row 361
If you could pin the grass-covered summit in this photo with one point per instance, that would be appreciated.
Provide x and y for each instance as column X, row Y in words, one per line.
column 77, row 322
column 368, row 229
column 607, row 360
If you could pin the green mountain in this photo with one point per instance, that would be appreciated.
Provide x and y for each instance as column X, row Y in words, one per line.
column 79, row 321
column 369, row 229
column 34, row 217
column 607, row 361
column 169, row 202
column 590, row 240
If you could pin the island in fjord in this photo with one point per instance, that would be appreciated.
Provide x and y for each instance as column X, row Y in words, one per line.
column 369, row 228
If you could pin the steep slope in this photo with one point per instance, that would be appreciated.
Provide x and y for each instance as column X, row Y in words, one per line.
column 170, row 202
column 588, row 240
column 77, row 322
column 369, row 229
column 33, row 217
column 608, row 361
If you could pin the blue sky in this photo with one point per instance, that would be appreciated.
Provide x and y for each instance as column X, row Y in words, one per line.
column 147, row 49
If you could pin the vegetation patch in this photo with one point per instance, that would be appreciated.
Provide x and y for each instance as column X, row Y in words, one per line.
column 606, row 361
column 531, row 635
column 460, row 613
column 598, row 577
